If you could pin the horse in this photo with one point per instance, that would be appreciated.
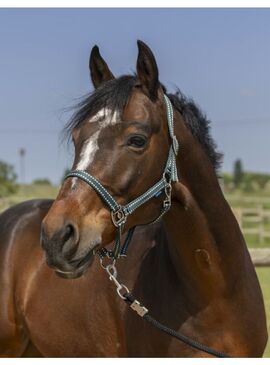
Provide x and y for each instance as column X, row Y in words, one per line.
column 191, row 268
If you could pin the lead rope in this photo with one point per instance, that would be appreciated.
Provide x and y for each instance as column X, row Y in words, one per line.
column 142, row 311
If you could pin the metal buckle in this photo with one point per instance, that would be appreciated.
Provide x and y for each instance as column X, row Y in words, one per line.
column 167, row 200
column 167, row 175
column 119, row 217
column 138, row 308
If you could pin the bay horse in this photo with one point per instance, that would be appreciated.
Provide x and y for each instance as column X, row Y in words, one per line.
column 191, row 269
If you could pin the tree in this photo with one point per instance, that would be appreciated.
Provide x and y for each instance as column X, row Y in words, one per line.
column 42, row 182
column 7, row 179
column 238, row 173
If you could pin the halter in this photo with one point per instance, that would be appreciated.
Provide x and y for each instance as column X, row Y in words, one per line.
column 119, row 213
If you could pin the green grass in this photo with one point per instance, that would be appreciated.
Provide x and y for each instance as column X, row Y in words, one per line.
column 28, row 192
column 248, row 200
column 264, row 278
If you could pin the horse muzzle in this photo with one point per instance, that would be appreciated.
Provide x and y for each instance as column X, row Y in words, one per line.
column 62, row 249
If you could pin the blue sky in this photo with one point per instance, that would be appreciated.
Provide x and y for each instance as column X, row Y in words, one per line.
column 219, row 57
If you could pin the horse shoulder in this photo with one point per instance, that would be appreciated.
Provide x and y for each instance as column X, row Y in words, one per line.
column 14, row 247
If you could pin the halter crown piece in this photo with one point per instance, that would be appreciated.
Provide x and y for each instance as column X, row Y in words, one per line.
column 119, row 213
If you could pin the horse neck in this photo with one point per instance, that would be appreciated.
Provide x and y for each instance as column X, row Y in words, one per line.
column 201, row 229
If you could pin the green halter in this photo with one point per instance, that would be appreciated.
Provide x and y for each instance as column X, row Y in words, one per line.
column 119, row 213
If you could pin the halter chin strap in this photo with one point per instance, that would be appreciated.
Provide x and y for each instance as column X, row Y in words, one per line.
column 119, row 213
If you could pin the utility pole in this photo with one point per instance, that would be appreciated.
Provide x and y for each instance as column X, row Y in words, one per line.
column 22, row 153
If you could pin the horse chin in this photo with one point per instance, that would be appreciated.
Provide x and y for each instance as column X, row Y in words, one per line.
column 79, row 269
column 69, row 275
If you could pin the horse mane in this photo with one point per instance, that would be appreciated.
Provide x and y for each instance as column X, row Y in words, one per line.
column 114, row 94
column 198, row 124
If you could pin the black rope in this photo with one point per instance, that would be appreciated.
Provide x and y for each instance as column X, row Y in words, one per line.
column 129, row 299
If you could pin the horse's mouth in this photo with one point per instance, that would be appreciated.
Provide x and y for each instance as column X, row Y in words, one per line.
column 69, row 274
column 77, row 267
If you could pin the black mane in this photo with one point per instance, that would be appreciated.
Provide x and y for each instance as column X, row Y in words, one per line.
column 199, row 125
column 115, row 93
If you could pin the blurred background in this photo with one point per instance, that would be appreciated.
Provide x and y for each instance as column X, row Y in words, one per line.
column 219, row 57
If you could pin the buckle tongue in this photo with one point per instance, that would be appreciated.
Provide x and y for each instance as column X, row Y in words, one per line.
column 119, row 217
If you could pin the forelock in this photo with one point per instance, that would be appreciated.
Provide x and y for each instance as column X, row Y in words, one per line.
column 112, row 95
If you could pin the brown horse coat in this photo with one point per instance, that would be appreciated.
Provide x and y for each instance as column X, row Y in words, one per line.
column 192, row 271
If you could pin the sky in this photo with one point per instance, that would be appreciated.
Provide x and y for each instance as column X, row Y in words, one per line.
column 219, row 57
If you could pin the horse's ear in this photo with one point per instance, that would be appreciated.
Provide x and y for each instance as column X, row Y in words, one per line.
column 99, row 69
column 147, row 71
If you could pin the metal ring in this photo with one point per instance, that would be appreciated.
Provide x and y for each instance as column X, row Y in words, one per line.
column 108, row 258
column 111, row 270
column 168, row 190
column 119, row 291
column 101, row 264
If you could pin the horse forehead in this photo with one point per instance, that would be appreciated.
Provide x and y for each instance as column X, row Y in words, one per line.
column 138, row 108
column 105, row 116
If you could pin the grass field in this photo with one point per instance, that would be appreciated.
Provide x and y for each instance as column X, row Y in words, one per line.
column 264, row 278
column 28, row 192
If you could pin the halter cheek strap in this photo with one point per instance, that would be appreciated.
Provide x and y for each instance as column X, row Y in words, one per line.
column 119, row 213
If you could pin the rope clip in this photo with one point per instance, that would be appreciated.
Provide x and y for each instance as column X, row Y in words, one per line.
column 112, row 272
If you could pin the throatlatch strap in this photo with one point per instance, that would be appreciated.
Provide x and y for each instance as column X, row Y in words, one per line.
column 175, row 145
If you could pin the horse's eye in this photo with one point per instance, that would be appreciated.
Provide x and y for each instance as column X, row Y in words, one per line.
column 137, row 141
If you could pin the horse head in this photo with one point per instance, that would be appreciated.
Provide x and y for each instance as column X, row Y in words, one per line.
column 120, row 135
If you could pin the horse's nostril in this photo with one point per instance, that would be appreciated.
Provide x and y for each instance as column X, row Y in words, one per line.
column 68, row 232
column 59, row 239
column 69, row 240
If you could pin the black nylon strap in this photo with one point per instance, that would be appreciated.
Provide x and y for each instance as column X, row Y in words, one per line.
column 126, row 244
column 129, row 299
